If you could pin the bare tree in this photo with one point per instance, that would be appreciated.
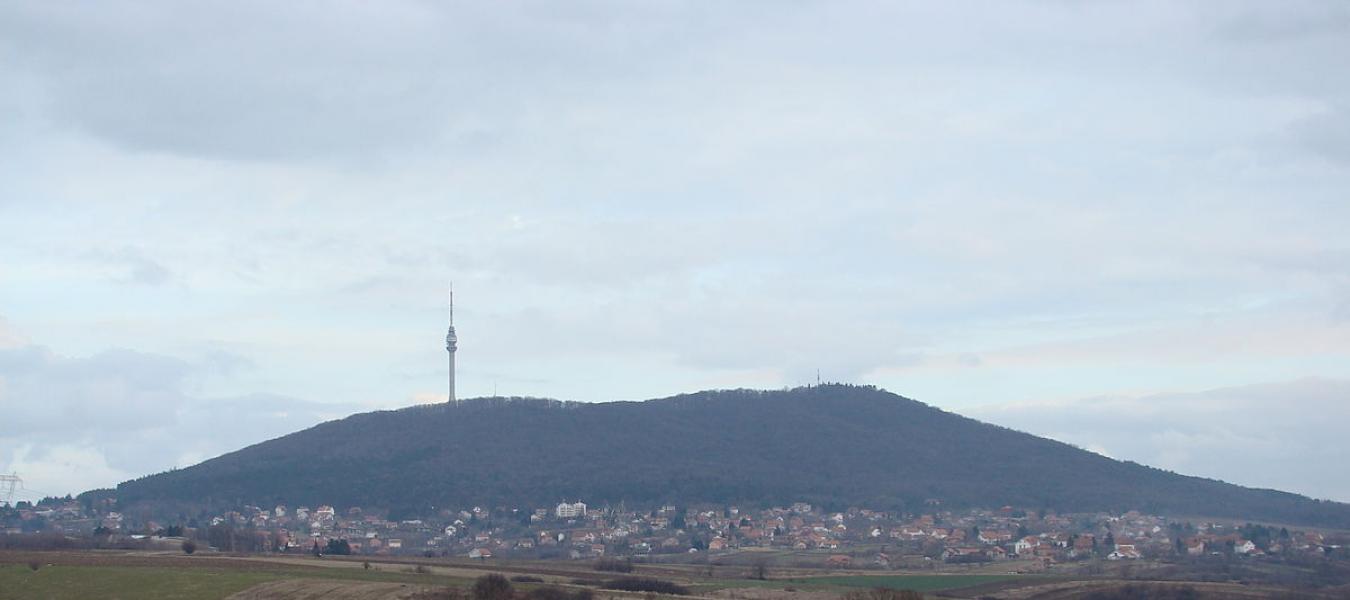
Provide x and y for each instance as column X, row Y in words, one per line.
column 761, row 569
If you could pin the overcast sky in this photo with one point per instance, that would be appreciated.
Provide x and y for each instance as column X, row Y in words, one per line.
column 1120, row 224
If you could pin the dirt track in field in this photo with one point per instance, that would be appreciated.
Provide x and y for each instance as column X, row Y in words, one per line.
column 316, row 589
column 114, row 558
column 771, row 594
column 1073, row 590
column 384, row 564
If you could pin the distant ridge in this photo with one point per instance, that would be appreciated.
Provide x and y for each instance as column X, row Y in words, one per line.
column 831, row 445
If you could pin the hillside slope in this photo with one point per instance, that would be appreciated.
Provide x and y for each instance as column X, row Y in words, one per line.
column 833, row 445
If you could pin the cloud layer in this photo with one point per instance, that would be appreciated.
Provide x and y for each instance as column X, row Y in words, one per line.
column 73, row 424
column 1283, row 436
column 1011, row 202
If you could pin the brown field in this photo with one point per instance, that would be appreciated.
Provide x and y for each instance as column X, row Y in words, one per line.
column 136, row 558
column 210, row 576
column 1074, row 590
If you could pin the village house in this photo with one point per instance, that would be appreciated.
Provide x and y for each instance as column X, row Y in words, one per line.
column 573, row 510
column 1195, row 547
column 994, row 536
column 1026, row 545
column 1124, row 552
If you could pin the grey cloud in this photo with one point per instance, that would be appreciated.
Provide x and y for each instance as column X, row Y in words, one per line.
column 226, row 363
column 1326, row 134
column 1290, row 21
column 129, row 264
column 718, row 324
column 1341, row 311
column 186, row 85
column 148, row 272
column 121, row 413
column 571, row 251
column 1276, row 435
column 262, row 81
column 117, row 389
column 210, row 426
column 137, row 268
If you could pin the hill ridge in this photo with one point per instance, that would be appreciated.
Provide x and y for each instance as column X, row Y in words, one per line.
column 831, row 444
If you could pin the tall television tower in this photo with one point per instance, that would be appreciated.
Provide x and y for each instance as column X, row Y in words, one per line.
column 451, row 343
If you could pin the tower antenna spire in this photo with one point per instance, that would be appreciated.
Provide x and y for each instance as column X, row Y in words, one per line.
column 452, row 342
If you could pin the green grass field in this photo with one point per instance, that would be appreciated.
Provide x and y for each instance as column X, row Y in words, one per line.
column 81, row 582
column 62, row 582
column 96, row 575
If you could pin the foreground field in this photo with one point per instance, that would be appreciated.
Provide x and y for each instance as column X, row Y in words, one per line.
column 60, row 582
column 321, row 589
column 164, row 576
column 128, row 576
column 918, row 583
column 151, row 576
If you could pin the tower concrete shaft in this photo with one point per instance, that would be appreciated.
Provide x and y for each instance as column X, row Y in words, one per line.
column 451, row 344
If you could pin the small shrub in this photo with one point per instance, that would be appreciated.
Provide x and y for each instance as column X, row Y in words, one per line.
column 365, row 565
column 189, row 546
column 760, row 570
column 492, row 587
column 34, row 564
column 643, row 584
column 614, row 565
column 421, row 570
column 338, row 547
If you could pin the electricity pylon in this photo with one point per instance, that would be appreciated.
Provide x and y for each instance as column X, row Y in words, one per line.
column 9, row 483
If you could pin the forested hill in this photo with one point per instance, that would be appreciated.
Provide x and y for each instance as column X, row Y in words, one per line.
column 831, row 445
